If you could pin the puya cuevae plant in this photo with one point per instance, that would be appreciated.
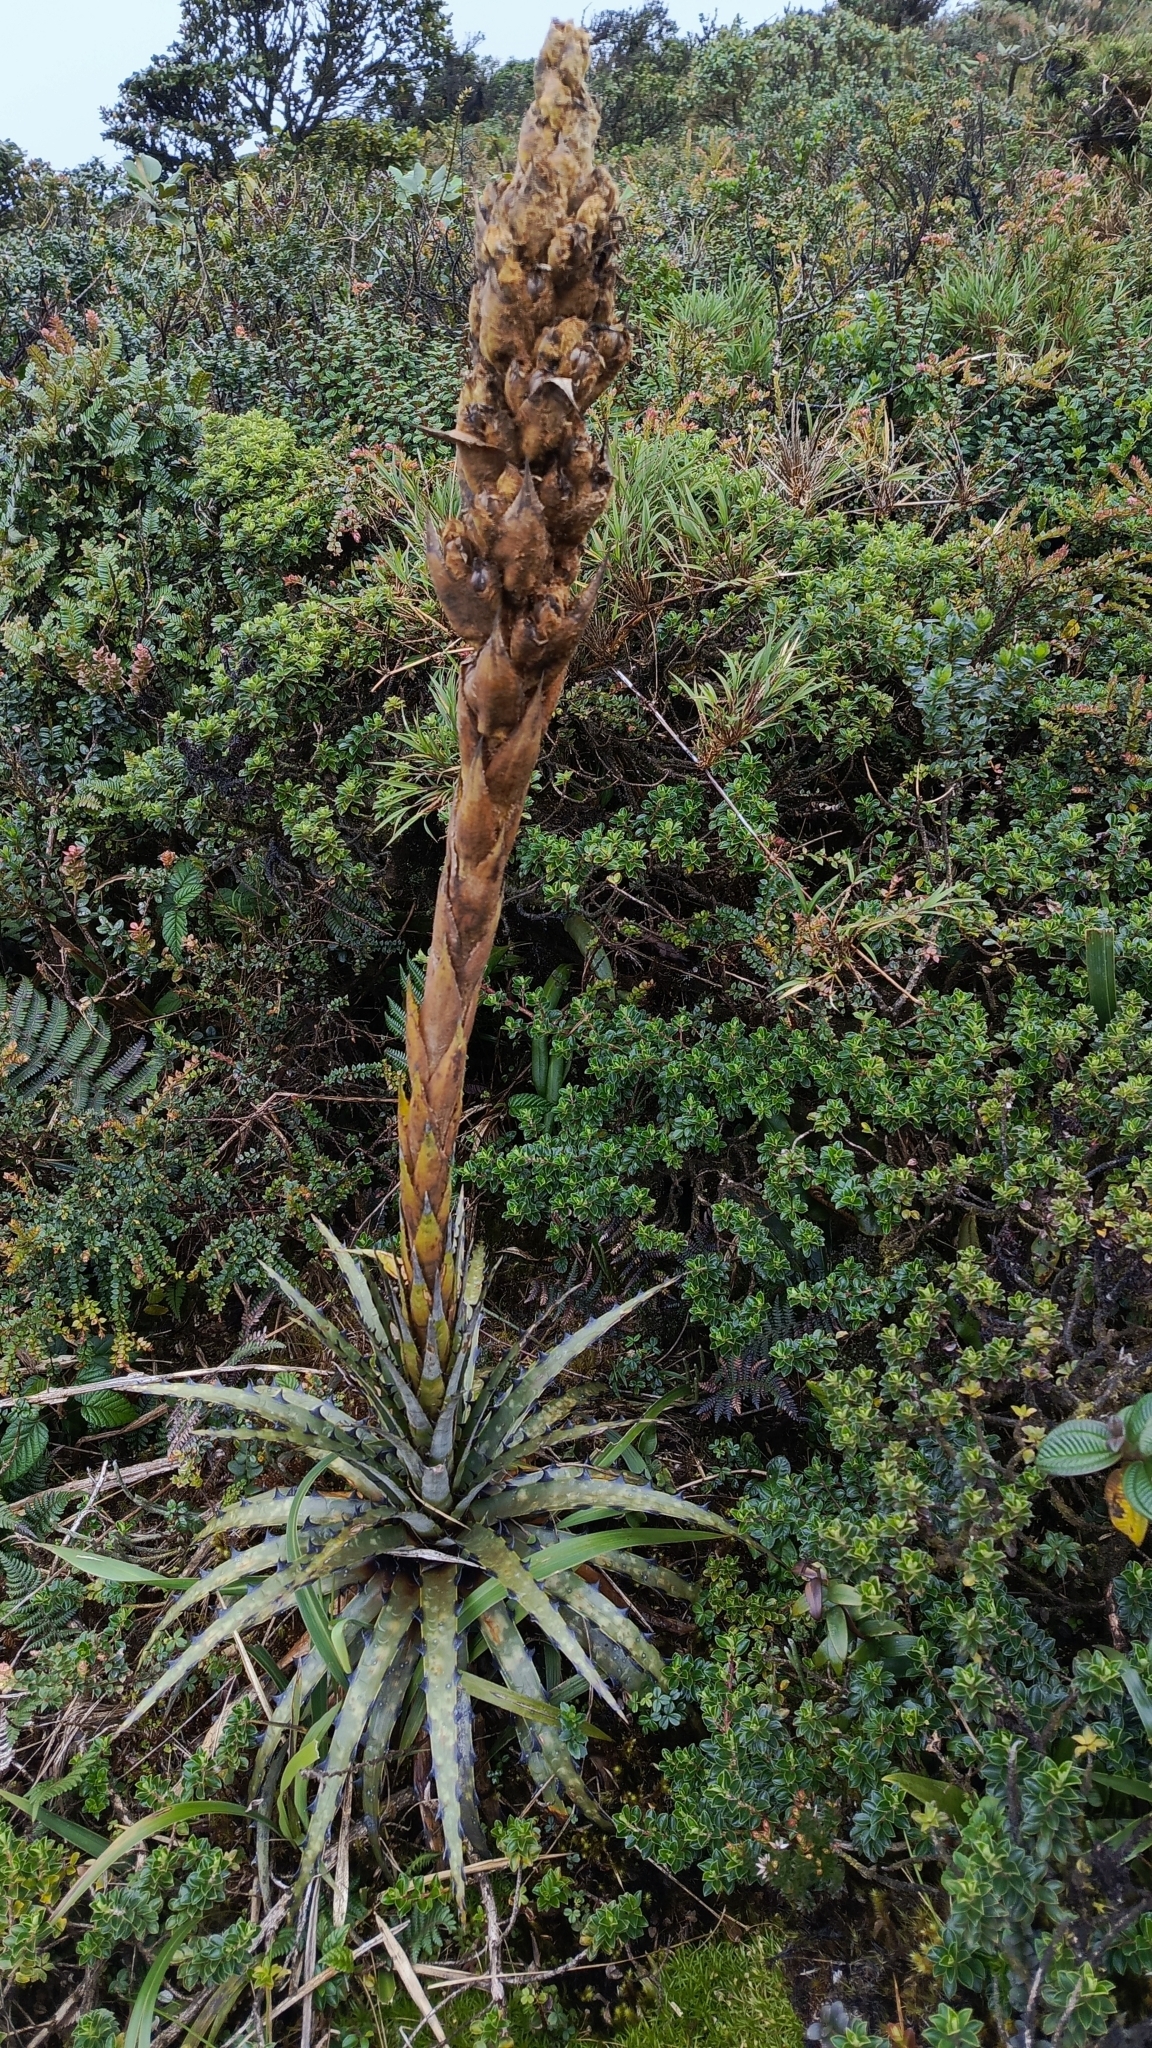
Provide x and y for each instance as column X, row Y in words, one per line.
column 451, row 1546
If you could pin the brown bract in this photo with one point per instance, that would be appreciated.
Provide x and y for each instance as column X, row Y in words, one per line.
column 544, row 343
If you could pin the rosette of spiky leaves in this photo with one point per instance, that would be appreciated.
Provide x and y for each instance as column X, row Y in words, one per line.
column 463, row 1539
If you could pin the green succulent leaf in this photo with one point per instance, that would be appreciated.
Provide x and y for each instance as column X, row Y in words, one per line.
column 589, row 1602
column 392, row 1631
column 523, row 1395
column 511, row 1654
column 563, row 1490
column 494, row 1554
column 448, row 1711
column 1074, row 1448
column 933, row 1792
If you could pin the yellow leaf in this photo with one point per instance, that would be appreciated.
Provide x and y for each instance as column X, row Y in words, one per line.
column 1121, row 1512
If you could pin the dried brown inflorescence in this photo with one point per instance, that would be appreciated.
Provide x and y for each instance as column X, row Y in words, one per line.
column 545, row 344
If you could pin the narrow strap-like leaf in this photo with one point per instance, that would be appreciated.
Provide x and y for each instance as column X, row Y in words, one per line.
column 393, row 1692
column 497, row 1558
column 139, row 1831
column 252, row 1610
column 591, row 1546
column 448, row 1710
column 593, row 1605
column 507, row 1645
column 527, row 1390
column 559, row 1492
column 358, row 1288
column 138, row 2032
column 379, row 1654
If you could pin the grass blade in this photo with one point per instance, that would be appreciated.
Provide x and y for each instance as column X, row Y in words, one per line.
column 152, row 1824
column 138, row 2032
column 68, row 1830
column 1100, row 961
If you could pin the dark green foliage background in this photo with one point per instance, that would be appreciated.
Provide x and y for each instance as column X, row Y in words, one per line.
column 833, row 1060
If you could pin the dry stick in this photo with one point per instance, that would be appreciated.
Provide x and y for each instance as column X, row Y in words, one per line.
column 253, row 1677
column 411, row 1982
column 492, row 1919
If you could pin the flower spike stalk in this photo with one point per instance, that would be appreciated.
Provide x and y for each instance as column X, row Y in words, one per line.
column 545, row 343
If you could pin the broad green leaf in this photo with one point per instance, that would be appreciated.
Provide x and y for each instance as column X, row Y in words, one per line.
column 23, row 1444
column 1138, row 1425
column 836, row 1640
column 115, row 1571
column 1138, row 1694
column 392, row 1629
column 152, row 1824
column 567, row 1552
column 933, row 1791
column 1100, row 961
column 1074, row 1448
column 497, row 1558
column 448, row 1713
column 106, row 1409
column 1138, row 1487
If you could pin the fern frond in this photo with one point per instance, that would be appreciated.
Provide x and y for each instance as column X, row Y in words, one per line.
column 38, row 1049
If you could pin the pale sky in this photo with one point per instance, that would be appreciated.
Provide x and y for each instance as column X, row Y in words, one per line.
column 62, row 60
